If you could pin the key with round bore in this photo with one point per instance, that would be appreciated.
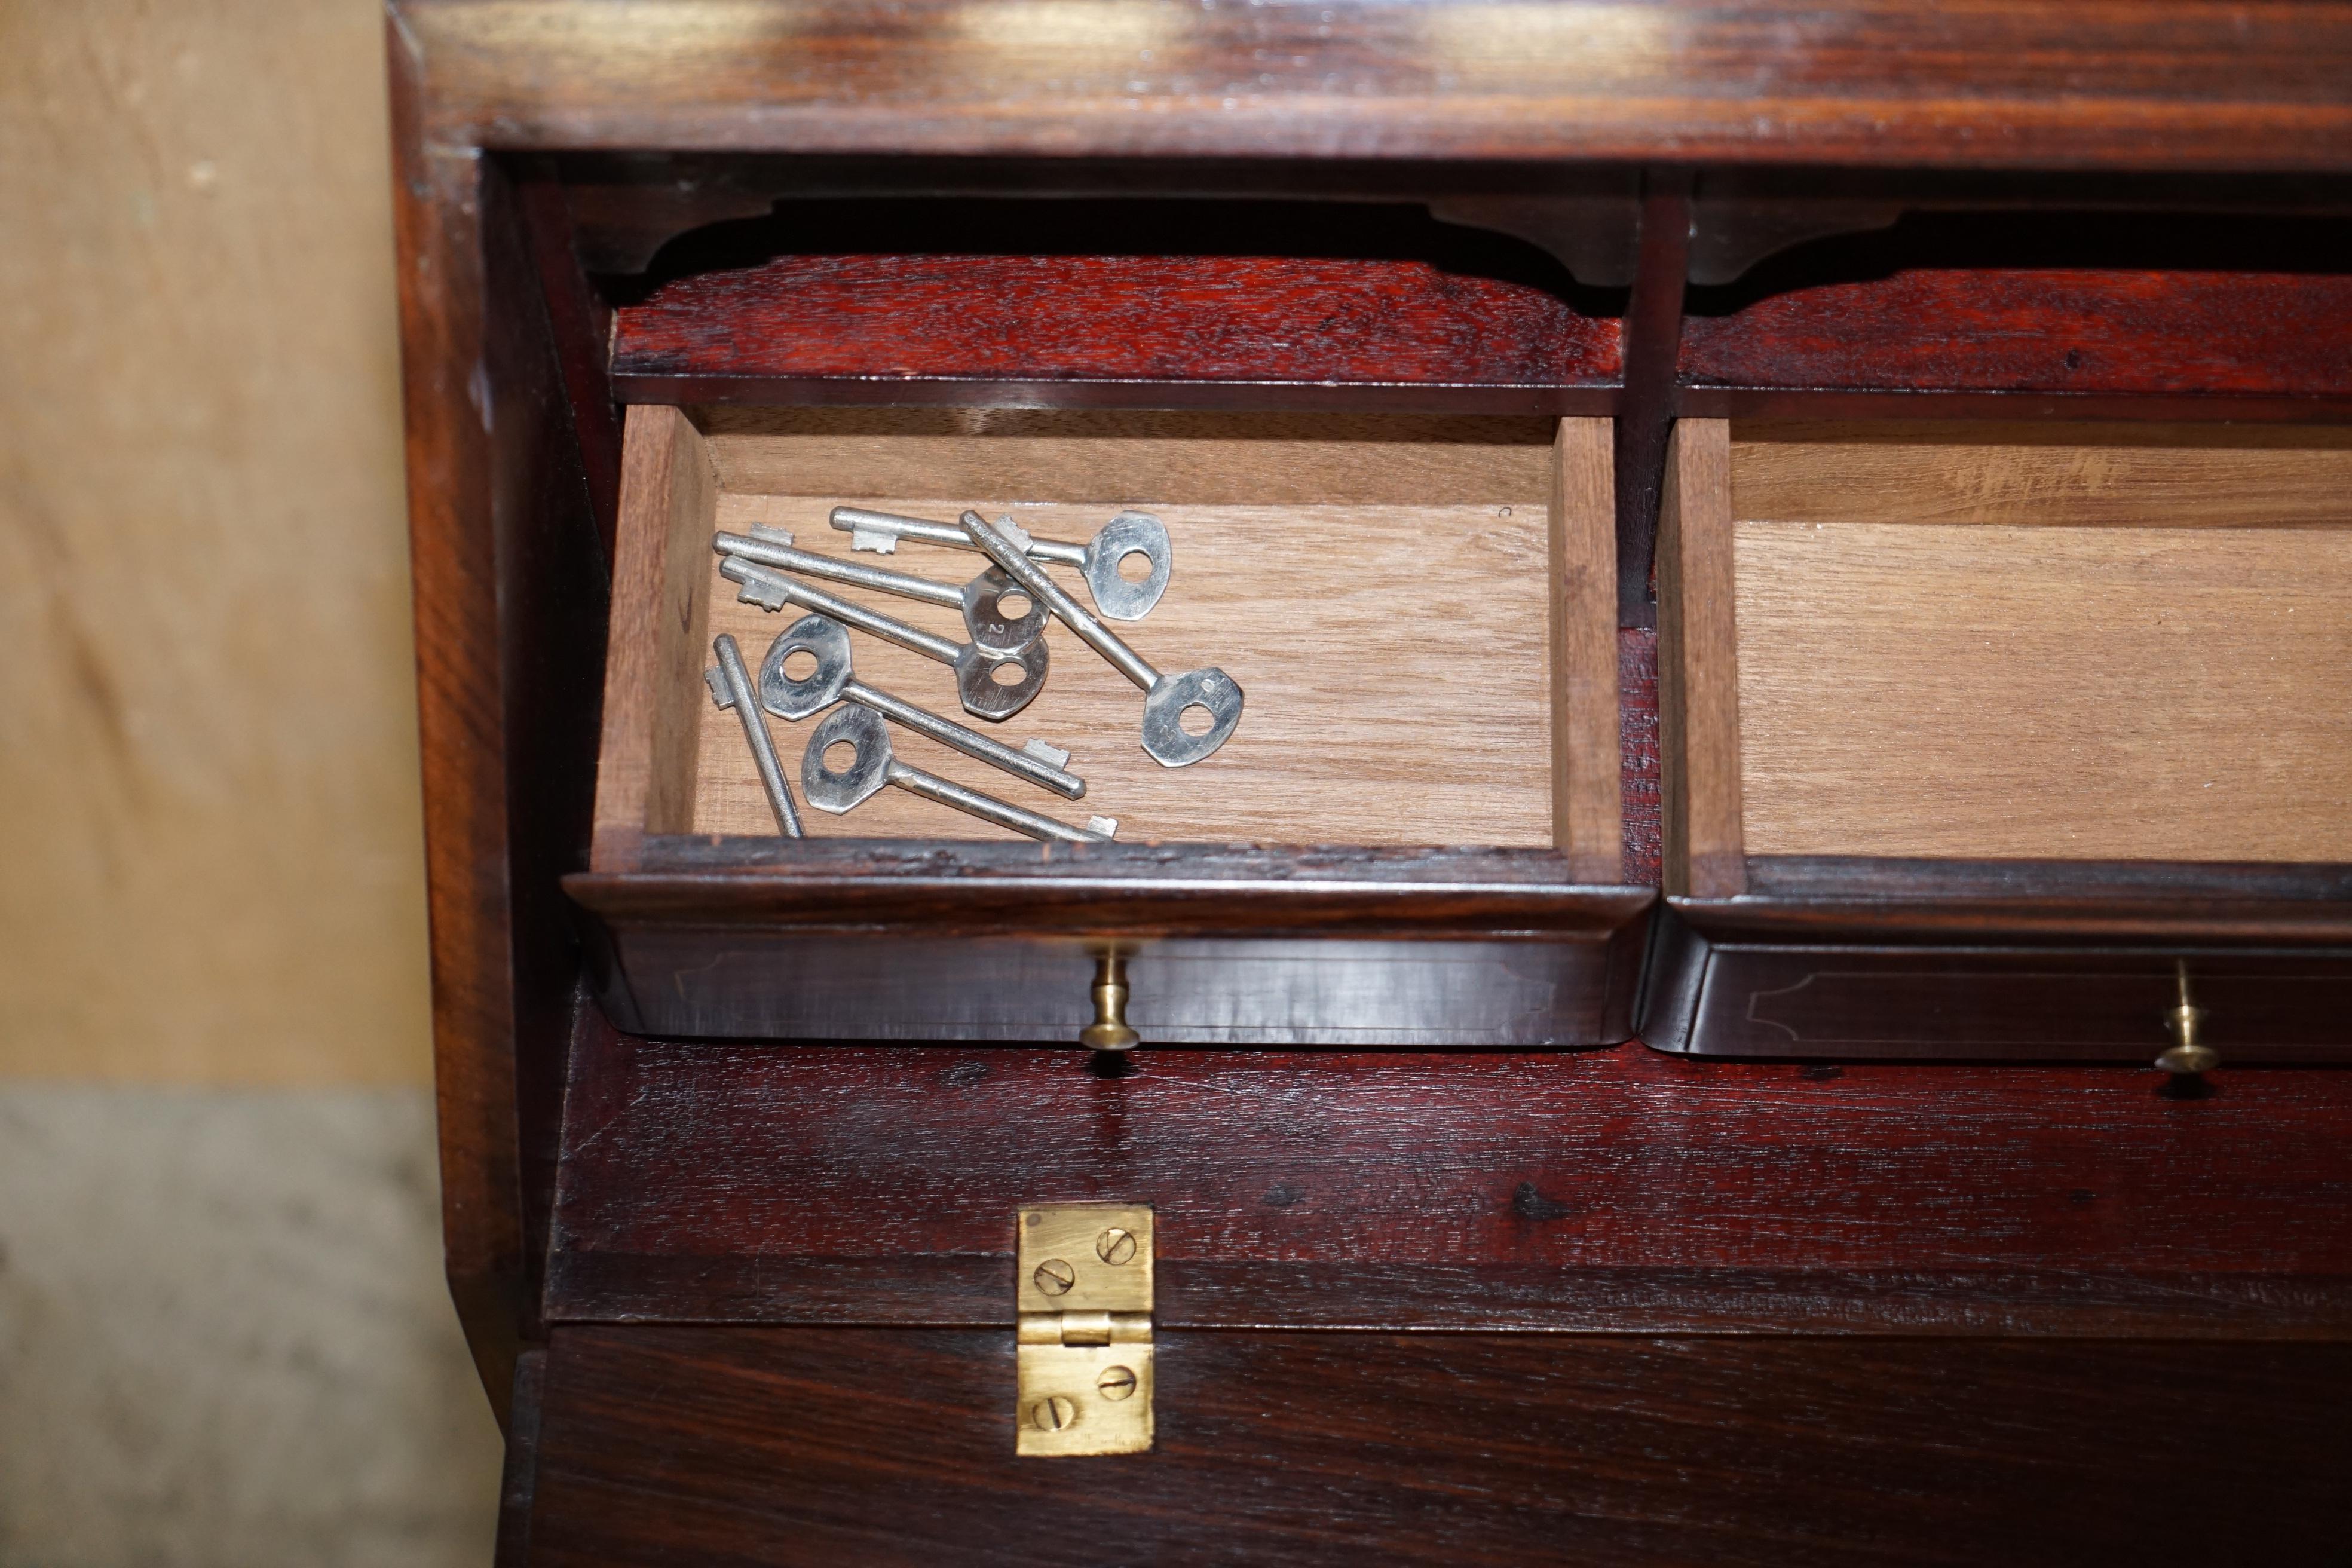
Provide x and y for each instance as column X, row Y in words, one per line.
column 730, row 686
column 1165, row 697
column 980, row 675
column 840, row 790
column 832, row 680
column 1098, row 559
column 981, row 601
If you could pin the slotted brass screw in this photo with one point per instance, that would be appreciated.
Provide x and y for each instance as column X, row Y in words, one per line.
column 1116, row 1246
column 1054, row 1277
column 1054, row 1414
column 1115, row 1383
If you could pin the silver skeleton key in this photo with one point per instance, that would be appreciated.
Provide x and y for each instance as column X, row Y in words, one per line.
column 1128, row 533
column 1165, row 697
column 730, row 686
column 977, row 669
column 980, row 600
column 823, row 639
column 862, row 731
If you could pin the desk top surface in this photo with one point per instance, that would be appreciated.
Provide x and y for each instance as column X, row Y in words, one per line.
column 2181, row 85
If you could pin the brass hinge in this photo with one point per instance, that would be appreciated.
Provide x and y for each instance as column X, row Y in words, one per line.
column 1081, row 1361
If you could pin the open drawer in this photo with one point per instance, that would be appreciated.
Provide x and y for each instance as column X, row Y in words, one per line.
column 1413, row 835
column 2006, row 741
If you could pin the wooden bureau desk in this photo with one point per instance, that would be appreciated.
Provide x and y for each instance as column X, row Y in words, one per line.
column 1793, row 572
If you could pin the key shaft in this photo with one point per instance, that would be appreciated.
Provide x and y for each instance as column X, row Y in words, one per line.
column 1032, row 577
column 730, row 686
column 971, row 743
column 771, row 583
column 768, row 553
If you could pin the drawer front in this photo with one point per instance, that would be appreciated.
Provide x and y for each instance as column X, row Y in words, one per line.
column 749, row 982
column 1790, row 1001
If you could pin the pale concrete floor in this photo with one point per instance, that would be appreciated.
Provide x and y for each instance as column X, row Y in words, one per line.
column 224, row 1338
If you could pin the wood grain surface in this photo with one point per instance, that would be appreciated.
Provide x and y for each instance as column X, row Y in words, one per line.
column 1621, row 1190
column 1120, row 458
column 914, row 938
column 2039, row 693
column 2023, row 330
column 659, row 648
column 2048, row 474
column 1994, row 84
column 1587, row 745
column 774, row 1446
column 1394, row 658
column 2093, row 651
column 1650, row 396
column 511, row 604
column 1637, row 710
column 1258, row 321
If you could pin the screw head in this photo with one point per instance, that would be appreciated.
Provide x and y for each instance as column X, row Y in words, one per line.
column 1115, row 1383
column 1054, row 1414
column 1054, row 1277
column 1115, row 1245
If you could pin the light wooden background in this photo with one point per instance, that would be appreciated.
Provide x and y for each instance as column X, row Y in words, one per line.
column 209, row 830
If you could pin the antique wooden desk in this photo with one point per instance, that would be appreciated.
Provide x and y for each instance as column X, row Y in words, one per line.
column 1794, row 573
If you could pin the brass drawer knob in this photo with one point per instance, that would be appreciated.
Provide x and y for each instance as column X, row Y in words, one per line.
column 1109, row 1032
column 2187, row 1055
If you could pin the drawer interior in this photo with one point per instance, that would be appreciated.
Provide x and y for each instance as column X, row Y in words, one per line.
column 2005, row 642
column 1420, row 612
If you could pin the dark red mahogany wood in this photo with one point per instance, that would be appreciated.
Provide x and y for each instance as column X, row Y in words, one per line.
column 510, row 611
column 839, row 328
column 2116, row 84
column 698, row 1444
column 1646, row 405
column 1848, row 956
column 1228, row 943
column 1637, row 710
column 1621, row 1190
column 2066, row 335
column 580, row 322
column 519, row 1478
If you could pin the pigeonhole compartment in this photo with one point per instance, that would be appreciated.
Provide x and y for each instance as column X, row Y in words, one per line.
column 2016, row 692
column 1412, row 834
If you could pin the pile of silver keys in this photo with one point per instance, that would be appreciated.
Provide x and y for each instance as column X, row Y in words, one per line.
column 999, row 669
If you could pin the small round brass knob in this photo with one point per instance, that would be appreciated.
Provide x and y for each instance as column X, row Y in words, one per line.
column 2186, row 1056
column 1109, row 1032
